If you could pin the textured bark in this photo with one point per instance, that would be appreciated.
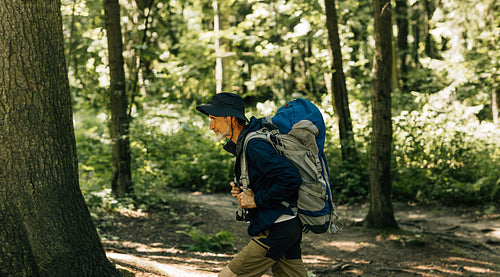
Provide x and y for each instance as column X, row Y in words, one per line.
column 381, row 214
column 339, row 90
column 415, row 25
column 402, row 39
column 429, row 42
column 495, row 104
column 121, row 183
column 45, row 226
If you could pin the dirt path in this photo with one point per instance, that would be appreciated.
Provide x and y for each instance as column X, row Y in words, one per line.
column 436, row 241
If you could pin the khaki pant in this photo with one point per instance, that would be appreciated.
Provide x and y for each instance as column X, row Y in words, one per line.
column 254, row 259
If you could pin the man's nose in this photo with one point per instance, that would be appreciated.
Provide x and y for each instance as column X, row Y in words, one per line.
column 212, row 124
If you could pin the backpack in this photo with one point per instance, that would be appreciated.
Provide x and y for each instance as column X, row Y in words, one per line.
column 297, row 132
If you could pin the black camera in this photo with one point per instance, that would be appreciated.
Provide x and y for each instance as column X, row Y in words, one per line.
column 242, row 215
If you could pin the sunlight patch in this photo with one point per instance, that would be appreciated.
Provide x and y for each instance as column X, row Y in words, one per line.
column 350, row 246
column 495, row 232
column 416, row 216
column 460, row 259
column 476, row 269
column 434, row 268
column 316, row 259
column 156, row 267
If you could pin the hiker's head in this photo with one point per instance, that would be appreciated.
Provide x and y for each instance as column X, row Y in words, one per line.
column 226, row 110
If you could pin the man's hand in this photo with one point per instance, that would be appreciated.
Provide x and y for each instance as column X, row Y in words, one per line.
column 234, row 190
column 246, row 199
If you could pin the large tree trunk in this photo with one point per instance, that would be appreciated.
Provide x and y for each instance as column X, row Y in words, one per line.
column 121, row 183
column 45, row 226
column 381, row 214
column 339, row 90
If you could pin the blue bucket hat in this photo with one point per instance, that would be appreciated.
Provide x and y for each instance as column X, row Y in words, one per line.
column 225, row 104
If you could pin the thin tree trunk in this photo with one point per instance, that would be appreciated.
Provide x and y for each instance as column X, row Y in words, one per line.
column 381, row 214
column 339, row 95
column 218, row 55
column 45, row 226
column 291, row 83
column 402, row 40
column 121, row 183
column 305, row 66
column 70, row 39
column 429, row 45
column 395, row 76
column 495, row 103
column 139, row 65
column 415, row 23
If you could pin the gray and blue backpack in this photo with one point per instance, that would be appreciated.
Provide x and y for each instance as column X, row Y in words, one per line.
column 297, row 132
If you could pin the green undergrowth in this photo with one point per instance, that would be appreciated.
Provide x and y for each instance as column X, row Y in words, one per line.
column 203, row 242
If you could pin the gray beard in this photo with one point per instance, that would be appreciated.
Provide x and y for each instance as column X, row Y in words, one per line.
column 219, row 136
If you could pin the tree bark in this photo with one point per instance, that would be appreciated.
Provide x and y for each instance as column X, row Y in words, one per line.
column 70, row 39
column 429, row 42
column 45, row 226
column 415, row 24
column 495, row 104
column 381, row 214
column 121, row 183
column 218, row 53
column 339, row 90
column 143, row 62
column 402, row 39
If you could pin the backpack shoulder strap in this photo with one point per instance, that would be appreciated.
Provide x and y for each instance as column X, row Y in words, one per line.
column 268, row 133
column 244, row 178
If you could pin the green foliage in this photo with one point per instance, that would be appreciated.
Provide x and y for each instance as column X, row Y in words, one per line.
column 349, row 181
column 445, row 147
column 444, row 153
column 101, row 202
column 172, row 149
column 209, row 242
column 93, row 150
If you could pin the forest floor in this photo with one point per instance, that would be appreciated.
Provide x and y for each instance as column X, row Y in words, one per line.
column 433, row 241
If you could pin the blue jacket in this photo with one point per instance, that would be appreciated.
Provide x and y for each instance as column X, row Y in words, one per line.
column 273, row 179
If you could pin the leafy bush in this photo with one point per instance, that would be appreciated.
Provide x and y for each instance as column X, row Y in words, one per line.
column 209, row 242
column 444, row 153
column 104, row 201
column 93, row 150
column 349, row 181
column 170, row 151
column 175, row 151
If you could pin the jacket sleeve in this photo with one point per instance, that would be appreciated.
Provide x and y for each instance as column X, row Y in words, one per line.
column 273, row 178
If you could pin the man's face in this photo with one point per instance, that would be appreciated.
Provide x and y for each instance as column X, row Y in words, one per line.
column 221, row 125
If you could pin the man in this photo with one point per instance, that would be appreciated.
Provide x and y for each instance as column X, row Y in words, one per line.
column 276, row 231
